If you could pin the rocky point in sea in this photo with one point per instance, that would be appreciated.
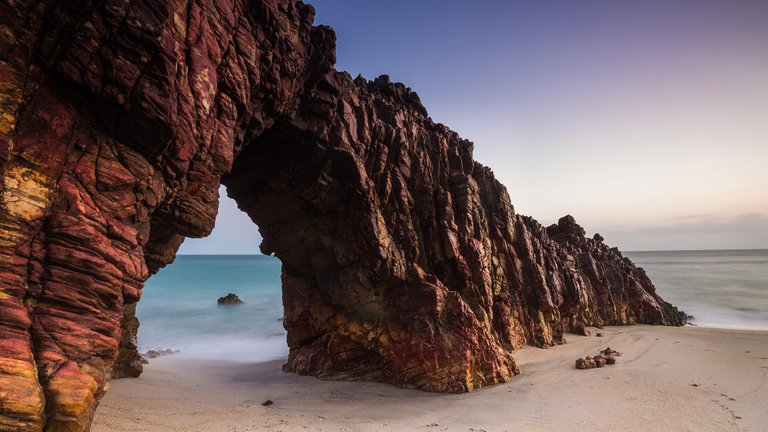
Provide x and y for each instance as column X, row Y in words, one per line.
column 403, row 258
column 229, row 299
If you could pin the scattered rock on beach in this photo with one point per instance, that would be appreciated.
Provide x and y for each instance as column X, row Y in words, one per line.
column 267, row 403
column 229, row 299
column 585, row 363
column 606, row 357
column 579, row 328
column 599, row 361
column 599, row 334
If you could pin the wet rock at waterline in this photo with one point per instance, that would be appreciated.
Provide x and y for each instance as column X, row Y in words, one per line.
column 152, row 354
column 229, row 299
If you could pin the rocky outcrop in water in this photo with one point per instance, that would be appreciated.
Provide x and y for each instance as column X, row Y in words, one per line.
column 229, row 299
column 403, row 259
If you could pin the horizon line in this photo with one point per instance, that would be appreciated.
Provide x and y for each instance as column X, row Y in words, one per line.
column 622, row 251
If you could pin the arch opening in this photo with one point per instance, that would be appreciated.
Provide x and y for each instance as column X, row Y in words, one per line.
column 403, row 259
column 179, row 310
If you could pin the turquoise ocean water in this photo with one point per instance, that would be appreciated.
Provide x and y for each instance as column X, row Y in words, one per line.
column 178, row 309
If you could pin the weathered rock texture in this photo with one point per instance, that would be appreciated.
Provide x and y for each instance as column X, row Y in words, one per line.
column 404, row 260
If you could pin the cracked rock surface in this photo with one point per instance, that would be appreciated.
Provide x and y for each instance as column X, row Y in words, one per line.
column 403, row 258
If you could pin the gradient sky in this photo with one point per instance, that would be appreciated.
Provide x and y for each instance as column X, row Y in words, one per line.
column 645, row 120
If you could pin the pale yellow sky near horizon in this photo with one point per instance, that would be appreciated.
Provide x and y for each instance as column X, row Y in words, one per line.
column 680, row 163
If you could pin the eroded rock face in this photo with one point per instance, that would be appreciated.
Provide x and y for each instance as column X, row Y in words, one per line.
column 404, row 260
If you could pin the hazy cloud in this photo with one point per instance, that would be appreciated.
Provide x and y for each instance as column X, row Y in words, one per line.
column 696, row 216
column 749, row 222
column 744, row 231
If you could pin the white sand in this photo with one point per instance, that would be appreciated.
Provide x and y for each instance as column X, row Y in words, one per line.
column 651, row 388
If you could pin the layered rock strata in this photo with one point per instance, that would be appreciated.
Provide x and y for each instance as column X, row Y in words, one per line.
column 403, row 259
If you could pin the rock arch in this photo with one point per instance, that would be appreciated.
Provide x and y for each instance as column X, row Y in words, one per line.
column 404, row 260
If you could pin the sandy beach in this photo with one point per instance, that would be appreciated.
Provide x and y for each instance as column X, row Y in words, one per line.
column 683, row 379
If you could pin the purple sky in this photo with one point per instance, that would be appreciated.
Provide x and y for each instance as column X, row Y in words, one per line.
column 645, row 120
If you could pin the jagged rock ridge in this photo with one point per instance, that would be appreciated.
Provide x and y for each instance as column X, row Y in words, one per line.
column 404, row 260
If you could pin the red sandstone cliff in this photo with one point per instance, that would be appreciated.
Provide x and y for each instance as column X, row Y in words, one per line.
column 404, row 260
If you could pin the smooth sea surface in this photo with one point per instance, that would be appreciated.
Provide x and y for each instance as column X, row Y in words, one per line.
column 719, row 288
column 178, row 309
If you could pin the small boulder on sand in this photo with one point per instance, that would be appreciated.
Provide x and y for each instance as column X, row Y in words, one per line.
column 597, row 361
column 579, row 328
column 585, row 363
column 581, row 364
